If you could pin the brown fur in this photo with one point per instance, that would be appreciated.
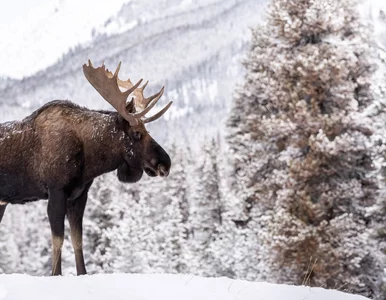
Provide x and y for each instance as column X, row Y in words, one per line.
column 56, row 153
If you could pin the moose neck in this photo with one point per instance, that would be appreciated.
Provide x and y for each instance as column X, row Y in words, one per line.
column 103, row 143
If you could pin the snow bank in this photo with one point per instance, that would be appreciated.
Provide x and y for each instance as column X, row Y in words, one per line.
column 2, row 293
column 155, row 286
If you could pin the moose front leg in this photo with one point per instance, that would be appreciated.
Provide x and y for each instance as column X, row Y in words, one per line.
column 56, row 210
column 75, row 211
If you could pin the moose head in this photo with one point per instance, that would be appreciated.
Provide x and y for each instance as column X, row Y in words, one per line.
column 140, row 151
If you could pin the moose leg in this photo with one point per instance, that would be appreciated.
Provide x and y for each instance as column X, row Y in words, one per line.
column 56, row 213
column 75, row 211
column 2, row 210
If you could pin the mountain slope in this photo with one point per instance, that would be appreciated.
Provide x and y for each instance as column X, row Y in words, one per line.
column 194, row 51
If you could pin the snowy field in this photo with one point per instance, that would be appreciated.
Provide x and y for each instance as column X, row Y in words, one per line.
column 155, row 286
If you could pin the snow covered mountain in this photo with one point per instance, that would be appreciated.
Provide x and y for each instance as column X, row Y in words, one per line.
column 194, row 48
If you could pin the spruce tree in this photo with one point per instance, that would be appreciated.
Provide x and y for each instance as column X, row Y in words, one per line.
column 9, row 256
column 101, row 224
column 170, row 231
column 303, row 146
column 205, row 210
column 33, row 238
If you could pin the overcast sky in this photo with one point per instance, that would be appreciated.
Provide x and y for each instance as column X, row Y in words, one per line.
column 35, row 34
column 11, row 11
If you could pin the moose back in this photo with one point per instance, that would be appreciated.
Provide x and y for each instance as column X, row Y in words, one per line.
column 57, row 151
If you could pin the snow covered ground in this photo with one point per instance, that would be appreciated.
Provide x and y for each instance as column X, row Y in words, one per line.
column 155, row 286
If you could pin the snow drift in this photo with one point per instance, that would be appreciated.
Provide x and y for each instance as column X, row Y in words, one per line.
column 155, row 286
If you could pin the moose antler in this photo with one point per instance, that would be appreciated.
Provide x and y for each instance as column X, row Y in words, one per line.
column 107, row 84
column 140, row 102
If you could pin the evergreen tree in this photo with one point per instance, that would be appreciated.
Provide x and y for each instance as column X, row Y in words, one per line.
column 205, row 213
column 136, row 239
column 236, row 247
column 33, row 238
column 152, row 230
column 171, row 229
column 9, row 258
column 303, row 146
column 101, row 225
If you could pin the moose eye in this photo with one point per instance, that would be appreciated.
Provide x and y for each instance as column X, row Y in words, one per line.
column 137, row 135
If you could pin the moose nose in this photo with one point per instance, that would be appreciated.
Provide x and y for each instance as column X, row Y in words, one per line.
column 162, row 171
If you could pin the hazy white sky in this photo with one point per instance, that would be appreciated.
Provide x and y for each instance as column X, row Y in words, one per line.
column 34, row 34
column 13, row 10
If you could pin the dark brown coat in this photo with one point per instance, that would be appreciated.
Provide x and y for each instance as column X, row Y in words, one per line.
column 57, row 151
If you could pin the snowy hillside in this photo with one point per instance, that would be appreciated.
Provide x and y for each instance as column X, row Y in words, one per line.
column 194, row 48
column 150, row 287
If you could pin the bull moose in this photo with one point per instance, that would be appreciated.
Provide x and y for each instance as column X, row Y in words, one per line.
column 57, row 151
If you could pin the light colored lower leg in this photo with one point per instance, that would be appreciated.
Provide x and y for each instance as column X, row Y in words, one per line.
column 57, row 243
column 76, row 237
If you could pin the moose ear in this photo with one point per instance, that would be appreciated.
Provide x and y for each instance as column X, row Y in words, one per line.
column 130, row 107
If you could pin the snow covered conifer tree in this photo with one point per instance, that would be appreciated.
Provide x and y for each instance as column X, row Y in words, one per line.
column 33, row 238
column 171, row 229
column 102, row 224
column 303, row 146
column 136, row 238
column 9, row 258
column 205, row 210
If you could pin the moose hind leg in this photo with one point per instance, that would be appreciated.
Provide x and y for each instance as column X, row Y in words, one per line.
column 75, row 211
column 56, row 210
column 2, row 210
